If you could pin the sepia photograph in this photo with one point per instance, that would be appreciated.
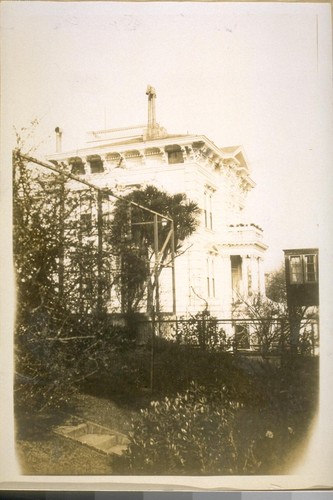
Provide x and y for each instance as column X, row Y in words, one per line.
column 166, row 198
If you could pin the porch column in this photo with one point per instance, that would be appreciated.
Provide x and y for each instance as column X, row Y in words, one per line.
column 261, row 276
column 244, row 280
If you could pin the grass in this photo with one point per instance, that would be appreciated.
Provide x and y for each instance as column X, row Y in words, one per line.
column 54, row 455
column 286, row 398
column 42, row 452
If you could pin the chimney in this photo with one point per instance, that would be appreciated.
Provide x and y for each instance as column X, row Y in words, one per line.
column 58, row 132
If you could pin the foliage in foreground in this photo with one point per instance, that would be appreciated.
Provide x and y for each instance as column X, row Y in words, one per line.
column 59, row 334
column 204, row 430
column 187, row 434
column 50, row 368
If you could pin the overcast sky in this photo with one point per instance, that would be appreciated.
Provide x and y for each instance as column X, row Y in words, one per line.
column 258, row 75
column 254, row 74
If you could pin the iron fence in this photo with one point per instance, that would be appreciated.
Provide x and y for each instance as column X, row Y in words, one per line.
column 266, row 336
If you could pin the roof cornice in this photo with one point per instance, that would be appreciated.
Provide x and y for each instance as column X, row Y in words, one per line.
column 111, row 146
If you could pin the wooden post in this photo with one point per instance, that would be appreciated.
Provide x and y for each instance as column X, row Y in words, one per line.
column 156, row 265
column 62, row 237
column 152, row 352
column 156, row 306
column 174, row 305
column 99, row 252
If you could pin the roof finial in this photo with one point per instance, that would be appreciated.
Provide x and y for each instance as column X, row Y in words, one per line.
column 151, row 93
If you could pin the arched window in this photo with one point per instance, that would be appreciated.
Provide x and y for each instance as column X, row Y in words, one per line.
column 77, row 166
column 175, row 154
column 96, row 164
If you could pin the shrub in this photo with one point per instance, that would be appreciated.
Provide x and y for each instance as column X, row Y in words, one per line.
column 189, row 434
column 202, row 330
column 53, row 358
column 205, row 430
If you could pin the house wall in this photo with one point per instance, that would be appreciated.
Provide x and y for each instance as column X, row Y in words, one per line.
column 203, row 272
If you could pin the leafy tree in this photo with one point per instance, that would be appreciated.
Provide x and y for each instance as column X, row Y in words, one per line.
column 299, row 317
column 36, row 237
column 276, row 285
column 132, row 238
column 274, row 325
column 62, row 284
column 269, row 327
column 56, row 253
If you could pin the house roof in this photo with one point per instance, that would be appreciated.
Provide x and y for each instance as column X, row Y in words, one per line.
column 135, row 138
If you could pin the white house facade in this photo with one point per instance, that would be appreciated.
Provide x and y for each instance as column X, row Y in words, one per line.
column 223, row 260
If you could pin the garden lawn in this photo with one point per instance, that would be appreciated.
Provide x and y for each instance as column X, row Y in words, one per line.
column 276, row 407
column 55, row 455
column 42, row 452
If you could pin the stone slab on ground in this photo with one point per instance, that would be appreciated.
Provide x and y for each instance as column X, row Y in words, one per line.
column 94, row 435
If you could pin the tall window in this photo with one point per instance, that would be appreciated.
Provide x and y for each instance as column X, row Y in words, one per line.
column 310, row 268
column 208, row 208
column 296, row 272
column 210, row 264
column 96, row 164
column 303, row 269
column 86, row 222
column 77, row 166
column 236, row 276
column 85, row 213
column 242, row 337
